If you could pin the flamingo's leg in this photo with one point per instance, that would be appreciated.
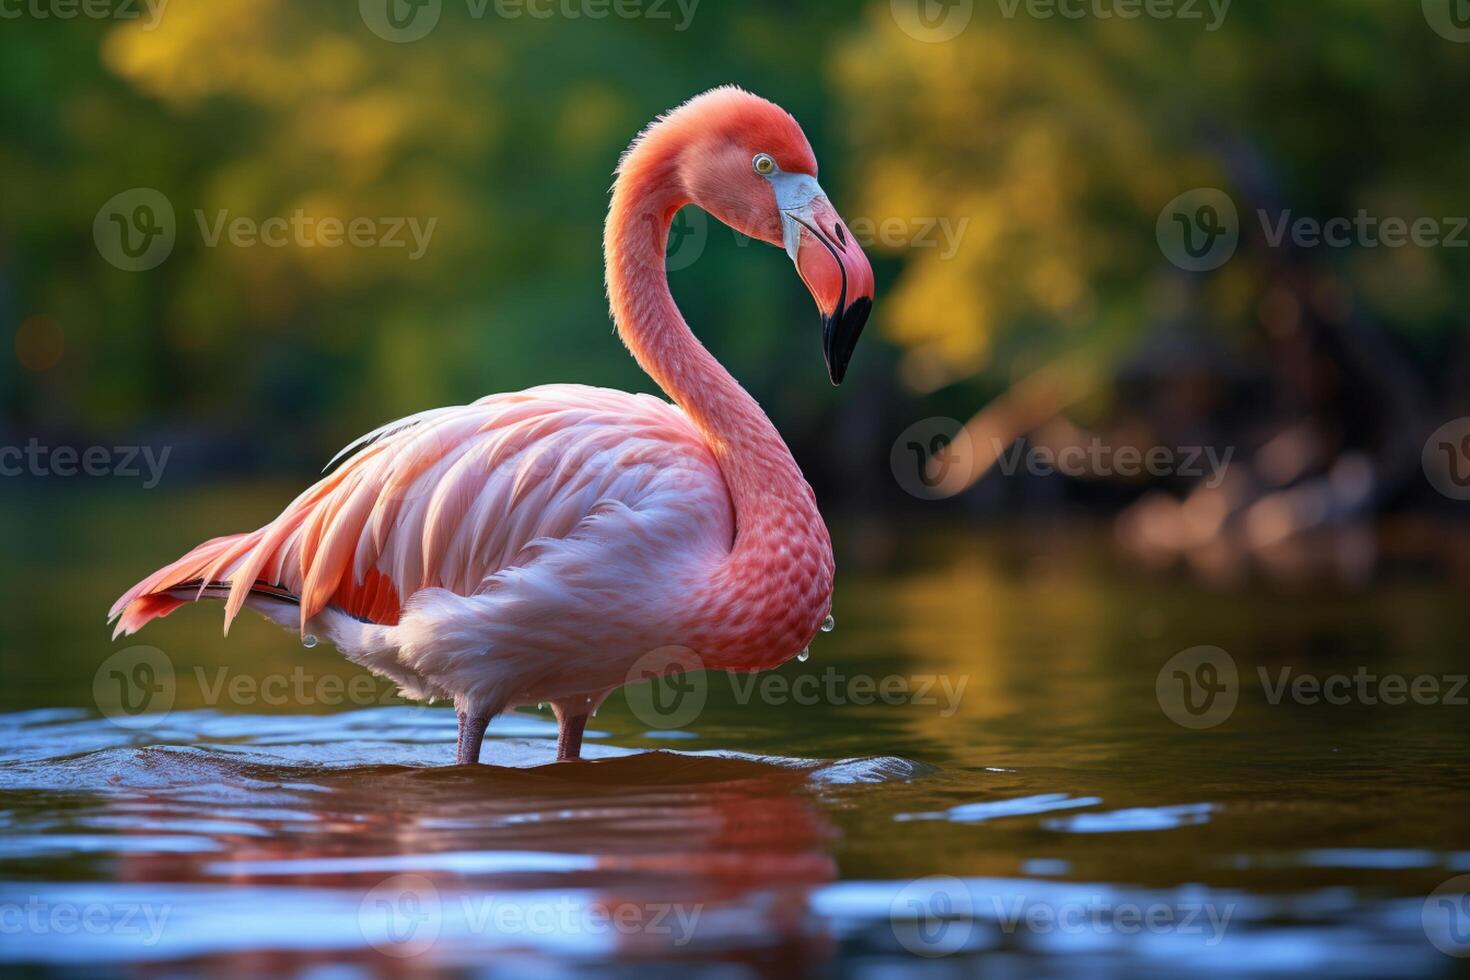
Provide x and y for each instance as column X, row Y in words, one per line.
column 569, row 739
column 471, row 734
column 571, row 716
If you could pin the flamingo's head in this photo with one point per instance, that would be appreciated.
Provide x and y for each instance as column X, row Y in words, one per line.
column 748, row 163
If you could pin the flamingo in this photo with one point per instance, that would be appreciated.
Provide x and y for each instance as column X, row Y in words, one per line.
column 533, row 547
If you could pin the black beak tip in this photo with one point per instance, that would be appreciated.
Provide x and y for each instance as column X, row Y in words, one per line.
column 840, row 333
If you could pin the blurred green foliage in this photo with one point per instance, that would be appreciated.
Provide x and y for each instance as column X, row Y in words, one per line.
column 1049, row 145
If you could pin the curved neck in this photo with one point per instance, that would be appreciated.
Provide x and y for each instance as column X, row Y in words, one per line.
column 754, row 459
column 763, row 602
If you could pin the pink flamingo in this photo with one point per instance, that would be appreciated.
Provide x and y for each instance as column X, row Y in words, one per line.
column 532, row 547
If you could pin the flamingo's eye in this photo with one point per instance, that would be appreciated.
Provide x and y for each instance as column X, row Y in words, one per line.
column 764, row 164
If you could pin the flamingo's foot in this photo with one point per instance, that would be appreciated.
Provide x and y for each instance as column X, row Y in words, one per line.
column 571, row 716
column 471, row 735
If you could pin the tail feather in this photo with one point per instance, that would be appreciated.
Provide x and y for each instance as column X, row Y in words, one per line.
column 190, row 567
column 203, row 573
column 143, row 610
column 241, row 569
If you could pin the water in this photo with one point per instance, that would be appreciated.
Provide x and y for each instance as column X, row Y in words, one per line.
column 980, row 767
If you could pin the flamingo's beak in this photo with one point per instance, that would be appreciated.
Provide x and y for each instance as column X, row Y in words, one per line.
column 830, row 262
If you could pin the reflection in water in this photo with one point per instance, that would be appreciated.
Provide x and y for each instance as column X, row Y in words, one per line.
column 1056, row 802
column 236, row 845
column 636, row 854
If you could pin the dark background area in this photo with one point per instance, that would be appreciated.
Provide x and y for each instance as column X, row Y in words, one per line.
column 1011, row 179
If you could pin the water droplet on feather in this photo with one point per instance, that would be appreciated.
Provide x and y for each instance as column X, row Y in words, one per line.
column 804, row 655
column 829, row 624
column 309, row 640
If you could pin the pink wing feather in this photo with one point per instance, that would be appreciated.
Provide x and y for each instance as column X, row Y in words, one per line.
column 443, row 499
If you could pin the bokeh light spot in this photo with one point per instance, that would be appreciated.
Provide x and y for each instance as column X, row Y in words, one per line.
column 39, row 343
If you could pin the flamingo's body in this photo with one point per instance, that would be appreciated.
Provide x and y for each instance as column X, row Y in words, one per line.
column 533, row 547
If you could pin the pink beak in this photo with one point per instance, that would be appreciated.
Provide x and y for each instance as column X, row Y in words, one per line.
column 834, row 268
